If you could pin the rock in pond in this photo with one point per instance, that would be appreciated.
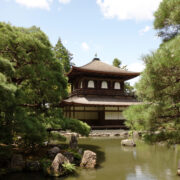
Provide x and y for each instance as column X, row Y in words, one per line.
column 69, row 156
column 17, row 162
column 88, row 159
column 178, row 171
column 32, row 165
column 56, row 166
column 73, row 144
column 128, row 142
column 53, row 152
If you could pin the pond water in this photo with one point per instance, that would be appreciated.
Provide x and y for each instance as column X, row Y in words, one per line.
column 144, row 162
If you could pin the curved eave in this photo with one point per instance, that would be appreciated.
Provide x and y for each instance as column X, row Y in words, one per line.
column 74, row 70
column 99, row 101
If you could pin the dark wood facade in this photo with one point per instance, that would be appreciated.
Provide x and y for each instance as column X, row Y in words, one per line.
column 97, row 95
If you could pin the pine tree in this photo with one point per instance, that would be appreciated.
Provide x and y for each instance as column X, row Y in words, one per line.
column 32, row 84
column 167, row 19
column 63, row 55
column 159, row 86
column 159, row 89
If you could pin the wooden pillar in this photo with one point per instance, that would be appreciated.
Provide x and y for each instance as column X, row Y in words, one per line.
column 73, row 111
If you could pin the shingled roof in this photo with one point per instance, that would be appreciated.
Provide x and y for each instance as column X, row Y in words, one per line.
column 99, row 67
column 101, row 101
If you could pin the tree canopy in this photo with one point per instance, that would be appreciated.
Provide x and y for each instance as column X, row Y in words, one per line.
column 32, row 84
column 117, row 62
column 127, row 87
column 159, row 86
column 63, row 55
column 159, row 89
column 167, row 19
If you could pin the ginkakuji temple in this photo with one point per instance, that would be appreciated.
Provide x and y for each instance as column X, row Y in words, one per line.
column 97, row 94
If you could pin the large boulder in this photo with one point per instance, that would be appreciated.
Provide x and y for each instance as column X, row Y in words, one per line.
column 128, row 142
column 73, row 144
column 17, row 162
column 53, row 152
column 88, row 159
column 56, row 168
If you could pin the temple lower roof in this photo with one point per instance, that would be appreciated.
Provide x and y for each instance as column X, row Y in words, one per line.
column 100, row 101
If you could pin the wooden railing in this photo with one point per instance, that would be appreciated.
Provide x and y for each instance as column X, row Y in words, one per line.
column 101, row 92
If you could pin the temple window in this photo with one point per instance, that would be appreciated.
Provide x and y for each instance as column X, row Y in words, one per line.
column 81, row 84
column 117, row 85
column 90, row 84
column 104, row 85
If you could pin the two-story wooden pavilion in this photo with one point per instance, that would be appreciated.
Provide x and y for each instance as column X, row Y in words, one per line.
column 98, row 95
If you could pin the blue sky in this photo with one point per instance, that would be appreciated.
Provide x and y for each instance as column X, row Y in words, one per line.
column 111, row 28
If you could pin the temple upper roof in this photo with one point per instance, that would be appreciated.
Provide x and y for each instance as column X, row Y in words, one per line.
column 100, row 68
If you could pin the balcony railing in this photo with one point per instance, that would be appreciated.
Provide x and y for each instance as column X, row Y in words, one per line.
column 100, row 92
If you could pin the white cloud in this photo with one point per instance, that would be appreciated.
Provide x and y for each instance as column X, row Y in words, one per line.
column 144, row 30
column 64, row 1
column 128, row 9
column 42, row 4
column 136, row 67
column 85, row 46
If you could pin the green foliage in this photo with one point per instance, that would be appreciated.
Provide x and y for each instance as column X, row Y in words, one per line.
column 167, row 19
column 77, row 126
column 68, row 168
column 170, row 138
column 5, row 152
column 77, row 156
column 32, row 84
column 159, row 89
column 63, row 55
column 135, row 116
column 55, row 136
column 45, row 165
column 117, row 62
column 129, row 89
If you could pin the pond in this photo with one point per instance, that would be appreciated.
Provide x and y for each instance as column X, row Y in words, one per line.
column 144, row 162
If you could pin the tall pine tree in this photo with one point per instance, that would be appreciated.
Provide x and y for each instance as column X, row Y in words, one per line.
column 63, row 55
column 32, row 84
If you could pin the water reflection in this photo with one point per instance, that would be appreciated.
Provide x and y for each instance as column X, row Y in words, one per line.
column 143, row 162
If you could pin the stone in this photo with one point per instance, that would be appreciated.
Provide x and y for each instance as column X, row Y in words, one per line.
column 178, row 172
column 88, row 159
column 124, row 134
column 73, row 144
column 53, row 152
column 69, row 156
column 128, row 142
column 17, row 162
column 80, row 151
column 136, row 135
column 56, row 166
column 33, row 165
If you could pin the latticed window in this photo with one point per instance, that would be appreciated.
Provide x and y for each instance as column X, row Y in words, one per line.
column 117, row 85
column 104, row 85
column 90, row 84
